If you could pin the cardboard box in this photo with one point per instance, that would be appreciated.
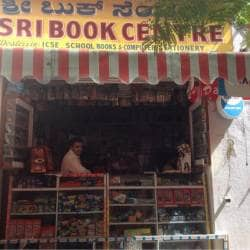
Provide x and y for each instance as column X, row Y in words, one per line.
column 36, row 228
column 12, row 227
column 178, row 196
column 137, row 231
column 20, row 229
column 48, row 232
column 165, row 197
column 186, row 196
column 197, row 197
column 46, row 245
column 28, row 229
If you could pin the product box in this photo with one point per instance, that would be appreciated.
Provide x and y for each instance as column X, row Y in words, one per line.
column 12, row 227
column 70, row 184
column 115, row 180
column 47, row 231
column 24, row 228
column 20, row 229
column 186, row 196
column 47, row 245
column 165, row 197
column 137, row 231
column 36, row 228
column 178, row 196
column 197, row 197
column 28, row 229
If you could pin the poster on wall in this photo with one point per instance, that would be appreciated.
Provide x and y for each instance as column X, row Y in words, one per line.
column 95, row 25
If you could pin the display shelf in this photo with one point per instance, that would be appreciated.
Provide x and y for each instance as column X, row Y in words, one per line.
column 24, row 198
column 173, row 172
column 81, row 175
column 54, row 240
column 180, row 187
column 132, row 223
column 181, row 222
column 34, row 189
column 33, row 214
column 195, row 171
column 111, row 239
column 119, row 206
column 131, row 187
column 81, row 213
column 181, row 206
column 27, row 240
column 186, row 198
column 133, row 205
column 80, row 239
column 79, row 189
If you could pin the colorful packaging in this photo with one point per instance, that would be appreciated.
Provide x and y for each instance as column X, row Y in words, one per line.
column 28, row 229
column 47, row 231
column 36, row 228
column 38, row 160
column 20, row 229
column 12, row 228
column 137, row 231
column 165, row 197
column 178, row 196
column 197, row 197
column 41, row 160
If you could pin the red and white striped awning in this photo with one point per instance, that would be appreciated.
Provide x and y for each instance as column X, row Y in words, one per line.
column 126, row 67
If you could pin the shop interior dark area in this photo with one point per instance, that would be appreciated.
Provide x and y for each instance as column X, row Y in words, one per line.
column 131, row 137
column 117, row 139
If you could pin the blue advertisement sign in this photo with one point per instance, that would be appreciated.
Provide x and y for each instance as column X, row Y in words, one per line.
column 230, row 107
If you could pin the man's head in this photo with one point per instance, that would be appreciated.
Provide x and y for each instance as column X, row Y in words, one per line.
column 76, row 145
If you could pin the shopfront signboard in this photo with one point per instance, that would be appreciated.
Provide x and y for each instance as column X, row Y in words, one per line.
column 95, row 25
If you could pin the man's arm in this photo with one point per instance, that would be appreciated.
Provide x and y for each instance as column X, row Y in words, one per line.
column 77, row 167
column 74, row 166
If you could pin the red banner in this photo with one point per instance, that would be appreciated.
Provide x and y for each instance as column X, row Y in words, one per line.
column 199, row 89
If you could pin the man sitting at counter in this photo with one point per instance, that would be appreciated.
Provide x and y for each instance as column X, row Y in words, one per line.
column 71, row 162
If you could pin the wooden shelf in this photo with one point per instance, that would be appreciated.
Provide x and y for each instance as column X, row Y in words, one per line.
column 79, row 188
column 173, row 172
column 181, row 206
column 54, row 240
column 132, row 223
column 181, row 222
column 180, row 187
column 81, row 213
column 109, row 209
column 80, row 239
column 169, row 172
column 55, row 217
column 133, row 205
column 131, row 187
column 34, row 189
column 33, row 214
column 33, row 240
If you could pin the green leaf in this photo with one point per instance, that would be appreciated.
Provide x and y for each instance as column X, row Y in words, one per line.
column 176, row 18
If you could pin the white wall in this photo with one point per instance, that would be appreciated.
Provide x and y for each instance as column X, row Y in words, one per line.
column 231, row 175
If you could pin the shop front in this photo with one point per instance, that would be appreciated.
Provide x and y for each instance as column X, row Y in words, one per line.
column 134, row 139
column 142, row 118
